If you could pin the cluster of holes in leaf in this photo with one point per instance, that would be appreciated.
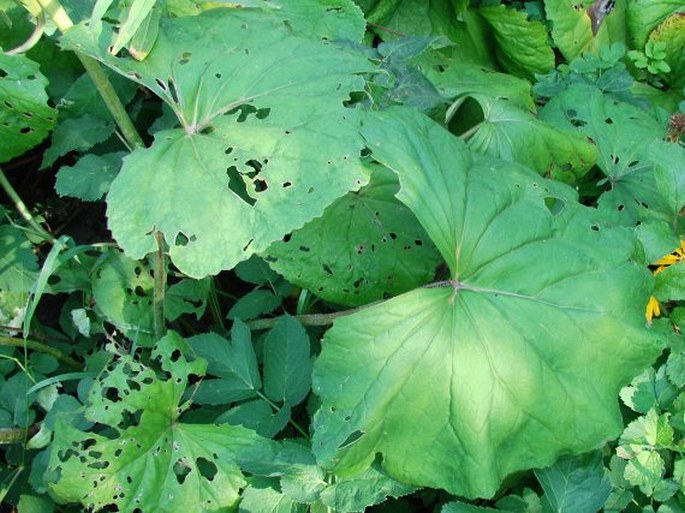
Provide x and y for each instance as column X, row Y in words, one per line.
column 169, row 88
column 182, row 240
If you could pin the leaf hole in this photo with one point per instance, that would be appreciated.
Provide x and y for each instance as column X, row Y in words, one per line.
column 287, row 184
column 609, row 121
column 327, row 269
column 207, row 468
column 354, row 437
column 236, row 184
column 594, row 227
column 554, row 205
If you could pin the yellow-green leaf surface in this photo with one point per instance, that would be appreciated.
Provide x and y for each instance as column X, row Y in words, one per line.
column 148, row 461
column 511, row 133
column 643, row 16
column 672, row 34
column 517, row 359
column 572, row 27
column 265, row 142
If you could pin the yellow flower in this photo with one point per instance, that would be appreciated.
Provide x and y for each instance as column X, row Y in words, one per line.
column 677, row 256
column 653, row 309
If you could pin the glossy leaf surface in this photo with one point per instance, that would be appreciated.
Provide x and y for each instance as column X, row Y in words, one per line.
column 439, row 380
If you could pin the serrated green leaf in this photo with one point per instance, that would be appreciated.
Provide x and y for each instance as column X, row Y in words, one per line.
column 642, row 16
column 242, row 161
column 254, row 304
column 576, row 484
column 516, row 135
column 649, row 390
column 123, row 290
column 645, row 471
column 265, row 499
column 234, row 363
column 287, row 362
column 383, row 250
column 76, row 134
column 645, row 433
column 360, row 491
column 472, row 354
column 89, row 179
column 675, row 368
column 25, row 116
column 256, row 271
column 522, row 47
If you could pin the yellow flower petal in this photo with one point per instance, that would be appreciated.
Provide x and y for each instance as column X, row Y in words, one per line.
column 653, row 309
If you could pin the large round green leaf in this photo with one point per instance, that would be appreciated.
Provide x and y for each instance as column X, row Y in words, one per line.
column 515, row 360
column 265, row 142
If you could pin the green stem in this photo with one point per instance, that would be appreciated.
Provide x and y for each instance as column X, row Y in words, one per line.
column 22, row 209
column 467, row 135
column 307, row 319
column 276, row 408
column 160, row 287
column 60, row 17
column 38, row 346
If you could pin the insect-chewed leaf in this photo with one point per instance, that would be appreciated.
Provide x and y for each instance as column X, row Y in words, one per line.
column 266, row 142
column 445, row 383
column 147, row 460
column 25, row 116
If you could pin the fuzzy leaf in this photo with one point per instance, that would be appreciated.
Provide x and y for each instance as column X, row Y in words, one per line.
column 25, row 116
column 158, row 463
column 382, row 250
column 438, row 379
column 252, row 102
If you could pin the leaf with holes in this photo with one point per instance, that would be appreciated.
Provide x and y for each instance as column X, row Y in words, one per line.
column 511, row 133
column 265, row 145
column 148, row 461
column 25, row 116
column 18, row 272
column 625, row 136
column 123, row 290
column 445, row 382
column 365, row 247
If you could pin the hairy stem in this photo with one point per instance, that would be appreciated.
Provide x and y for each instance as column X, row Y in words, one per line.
column 22, row 209
column 38, row 346
column 60, row 17
column 160, row 287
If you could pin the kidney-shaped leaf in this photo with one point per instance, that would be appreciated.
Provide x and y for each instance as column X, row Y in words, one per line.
column 516, row 360
column 147, row 460
column 265, row 142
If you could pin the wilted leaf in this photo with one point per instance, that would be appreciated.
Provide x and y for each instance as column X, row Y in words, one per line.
column 541, row 298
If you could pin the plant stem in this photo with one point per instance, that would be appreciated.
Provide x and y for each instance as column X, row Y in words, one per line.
column 22, row 209
column 160, row 286
column 60, row 17
column 467, row 135
column 307, row 319
column 38, row 346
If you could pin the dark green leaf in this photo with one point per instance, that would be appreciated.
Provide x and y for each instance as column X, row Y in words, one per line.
column 254, row 304
column 287, row 362
column 576, row 484
column 76, row 134
column 259, row 416
column 90, row 177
